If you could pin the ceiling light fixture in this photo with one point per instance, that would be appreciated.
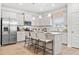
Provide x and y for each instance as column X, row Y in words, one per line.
column 41, row 9
column 49, row 15
column 40, row 17
column 33, row 3
column 53, row 5
column 33, row 18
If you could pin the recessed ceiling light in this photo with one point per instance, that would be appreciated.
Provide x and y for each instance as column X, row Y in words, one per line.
column 53, row 5
column 49, row 15
column 41, row 9
column 20, row 3
column 33, row 18
column 40, row 16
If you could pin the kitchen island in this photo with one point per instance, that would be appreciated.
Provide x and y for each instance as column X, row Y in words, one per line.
column 54, row 37
column 57, row 43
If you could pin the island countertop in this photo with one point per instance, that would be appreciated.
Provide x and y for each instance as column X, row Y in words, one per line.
column 55, row 33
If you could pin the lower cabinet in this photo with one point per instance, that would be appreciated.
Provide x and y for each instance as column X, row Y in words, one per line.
column 57, row 47
column 64, row 37
column 20, row 36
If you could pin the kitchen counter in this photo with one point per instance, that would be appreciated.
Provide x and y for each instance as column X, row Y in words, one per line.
column 56, row 37
column 57, row 42
column 20, row 35
column 54, row 33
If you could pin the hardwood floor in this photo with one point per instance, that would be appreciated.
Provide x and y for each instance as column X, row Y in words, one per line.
column 18, row 49
column 15, row 49
column 69, row 51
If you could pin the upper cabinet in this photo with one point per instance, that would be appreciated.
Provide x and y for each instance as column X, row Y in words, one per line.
column 13, row 14
column 8, row 14
column 44, row 20
column 20, row 19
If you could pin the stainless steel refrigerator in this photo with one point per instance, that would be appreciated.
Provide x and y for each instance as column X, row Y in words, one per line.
column 9, row 31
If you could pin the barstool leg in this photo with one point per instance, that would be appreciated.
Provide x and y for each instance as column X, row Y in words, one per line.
column 37, row 46
column 44, row 48
column 29, row 41
column 52, row 47
column 24, row 43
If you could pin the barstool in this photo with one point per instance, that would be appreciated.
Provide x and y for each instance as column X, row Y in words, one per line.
column 43, row 41
column 27, row 38
column 34, row 41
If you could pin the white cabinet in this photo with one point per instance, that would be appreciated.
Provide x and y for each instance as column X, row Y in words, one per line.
column 12, row 13
column 6, row 14
column 57, row 44
column 20, row 36
column 44, row 21
column 64, row 37
column 20, row 19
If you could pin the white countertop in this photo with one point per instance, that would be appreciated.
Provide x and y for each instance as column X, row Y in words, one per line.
column 55, row 33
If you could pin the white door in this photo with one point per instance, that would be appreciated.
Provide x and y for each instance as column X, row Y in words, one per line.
column 75, row 30
column 73, row 25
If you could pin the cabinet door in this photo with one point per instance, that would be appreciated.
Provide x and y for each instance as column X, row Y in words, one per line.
column 20, row 19
column 20, row 36
column 57, row 47
column 6, row 14
column 12, row 15
column 65, row 38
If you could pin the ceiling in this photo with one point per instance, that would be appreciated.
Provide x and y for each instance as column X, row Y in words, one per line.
column 35, row 7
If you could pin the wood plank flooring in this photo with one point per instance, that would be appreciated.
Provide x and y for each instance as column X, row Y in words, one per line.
column 18, row 49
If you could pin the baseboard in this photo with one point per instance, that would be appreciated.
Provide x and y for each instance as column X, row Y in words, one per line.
column 64, row 44
column 20, row 41
column 8, row 44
